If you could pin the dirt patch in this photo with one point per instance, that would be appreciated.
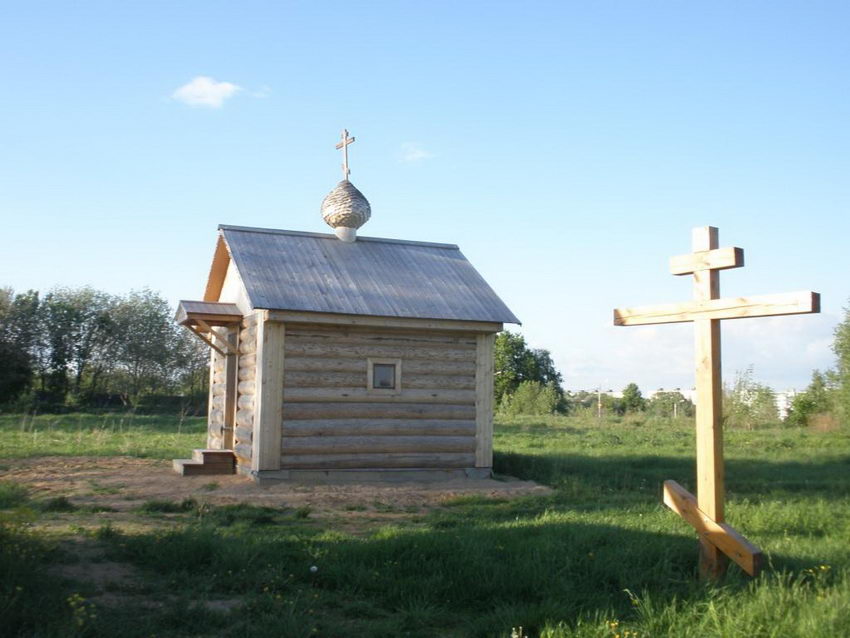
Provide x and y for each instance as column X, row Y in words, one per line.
column 116, row 486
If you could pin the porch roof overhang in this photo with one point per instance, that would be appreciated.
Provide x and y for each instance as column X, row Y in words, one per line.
column 202, row 316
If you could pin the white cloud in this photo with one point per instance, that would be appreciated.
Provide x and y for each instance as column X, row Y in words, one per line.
column 205, row 91
column 411, row 152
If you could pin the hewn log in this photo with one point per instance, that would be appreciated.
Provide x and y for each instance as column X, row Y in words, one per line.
column 247, row 374
column 217, row 389
column 245, row 417
column 248, row 347
column 415, row 340
column 377, row 410
column 431, row 353
column 245, row 402
column 411, row 365
column 218, row 364
column 326, row 379
column 216, row 417
column 219, row 378
column 382, row 323
column 352, row 461
column 244, row 434
column 364, row 395
column 247, row 387
column 243, row 450
column 218, row 401
column 377, row 444
column 247, row 360
column 378, row 427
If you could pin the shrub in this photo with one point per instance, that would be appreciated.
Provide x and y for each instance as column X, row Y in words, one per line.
column 533, row 398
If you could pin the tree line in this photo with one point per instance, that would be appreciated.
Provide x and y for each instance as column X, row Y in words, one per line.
column 81, row 347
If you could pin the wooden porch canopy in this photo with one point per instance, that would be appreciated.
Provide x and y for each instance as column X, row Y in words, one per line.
column 202, row 316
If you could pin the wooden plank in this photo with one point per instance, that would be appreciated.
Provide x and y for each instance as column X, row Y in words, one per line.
column 383, row 322
column 721, row 535
column 484, row 400
column 364, row 395
column 268, row 403
column 378, row 411
column 411, row 365
column 223, row 345
column 792, row 303
column 218, row 270
column 374, row 461
column 717, row 259
column 376, row 444
column 378, row 427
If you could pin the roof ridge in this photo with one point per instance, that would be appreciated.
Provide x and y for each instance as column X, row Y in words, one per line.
column 300, row 233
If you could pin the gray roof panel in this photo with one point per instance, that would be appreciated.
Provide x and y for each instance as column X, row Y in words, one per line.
column 288, row 270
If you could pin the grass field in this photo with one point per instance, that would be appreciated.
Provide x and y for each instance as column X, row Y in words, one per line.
column 598, row 556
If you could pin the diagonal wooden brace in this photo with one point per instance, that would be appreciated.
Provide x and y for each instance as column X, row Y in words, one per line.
column 721, row 535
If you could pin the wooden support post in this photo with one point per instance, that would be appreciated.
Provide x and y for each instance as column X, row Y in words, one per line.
column 268, row 400
column 484, row 400
column 705, row 512
column 231, row 372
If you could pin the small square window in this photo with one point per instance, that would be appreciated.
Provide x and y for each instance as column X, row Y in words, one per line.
column 383, row 376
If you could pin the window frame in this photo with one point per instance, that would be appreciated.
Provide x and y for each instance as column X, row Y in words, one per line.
column 370, row 376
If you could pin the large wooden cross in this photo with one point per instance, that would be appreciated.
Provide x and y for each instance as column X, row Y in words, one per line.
column 705, row 512
column 344, row 146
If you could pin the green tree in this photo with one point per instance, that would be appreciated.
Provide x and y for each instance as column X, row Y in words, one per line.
column 515, row 362
column 841, row 347
column 817, row 398
column 633, row 400
column 147, row 354
column 662, row 404
column 749, row 404
column 532, row 398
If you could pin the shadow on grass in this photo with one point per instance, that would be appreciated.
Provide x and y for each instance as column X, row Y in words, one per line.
column 639, row 478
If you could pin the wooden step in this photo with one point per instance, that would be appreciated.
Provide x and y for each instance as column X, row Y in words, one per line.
column 214, row 457
column 190, row 467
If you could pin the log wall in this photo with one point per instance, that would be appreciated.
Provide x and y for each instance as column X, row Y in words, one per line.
column 332, row 420
column 218, row 390
column 245, row 392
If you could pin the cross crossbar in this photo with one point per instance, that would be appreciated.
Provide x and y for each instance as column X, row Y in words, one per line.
column 730, row 542
column 717, row 259
column 790, row 303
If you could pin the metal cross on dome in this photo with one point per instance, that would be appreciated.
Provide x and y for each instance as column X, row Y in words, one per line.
column 344, row 146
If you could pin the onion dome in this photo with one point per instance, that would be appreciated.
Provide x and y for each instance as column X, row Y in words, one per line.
column 345, row 209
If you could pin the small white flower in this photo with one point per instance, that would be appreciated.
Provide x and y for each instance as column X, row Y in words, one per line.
column 313, row 569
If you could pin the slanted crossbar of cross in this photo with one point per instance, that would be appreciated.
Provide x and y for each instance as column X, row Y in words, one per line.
column 705, row 511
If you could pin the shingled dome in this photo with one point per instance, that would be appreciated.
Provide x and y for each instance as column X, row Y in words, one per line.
column 345, row 209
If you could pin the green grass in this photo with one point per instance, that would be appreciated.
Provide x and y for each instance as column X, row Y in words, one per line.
column 598, row 557
column 114, row 434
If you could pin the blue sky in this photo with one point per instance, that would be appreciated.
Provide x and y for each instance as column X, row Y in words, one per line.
column 567, row 147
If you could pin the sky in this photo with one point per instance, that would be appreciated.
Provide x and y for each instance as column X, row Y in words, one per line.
column 568, row 148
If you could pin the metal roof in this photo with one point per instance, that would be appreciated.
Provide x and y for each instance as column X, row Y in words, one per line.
column 313, row 272
column 213, row 311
